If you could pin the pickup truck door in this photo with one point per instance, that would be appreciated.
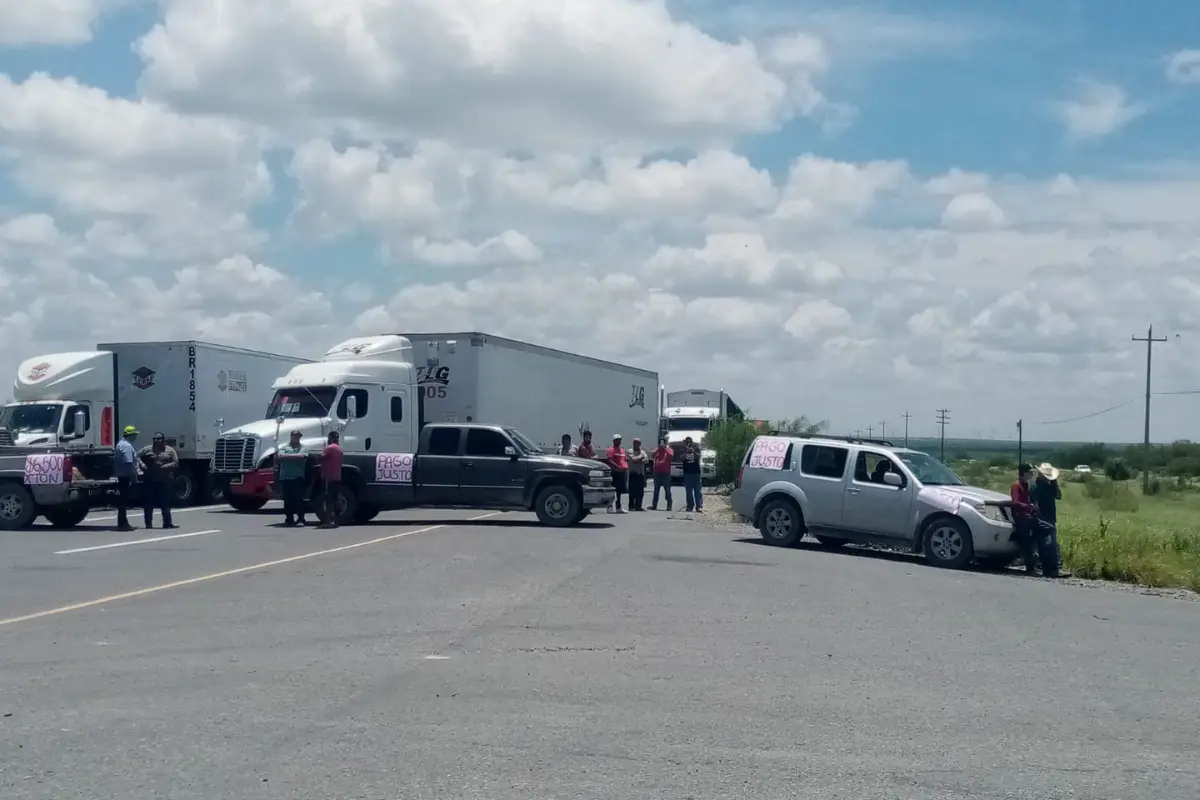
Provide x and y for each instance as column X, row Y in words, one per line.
column 823, row 479
column 490, row 476
column 436, row 475
column 873, row 506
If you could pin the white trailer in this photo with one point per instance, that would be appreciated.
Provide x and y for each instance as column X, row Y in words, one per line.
column 187, row 390
column 397, row 379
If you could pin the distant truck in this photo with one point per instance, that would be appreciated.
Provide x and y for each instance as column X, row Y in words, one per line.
column 81, row 401
column 401, row 383
column 692, row 412
column 468, row 465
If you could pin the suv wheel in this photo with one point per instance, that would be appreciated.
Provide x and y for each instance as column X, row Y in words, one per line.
column 780, row 524
column 557, row 506
column 948, row 543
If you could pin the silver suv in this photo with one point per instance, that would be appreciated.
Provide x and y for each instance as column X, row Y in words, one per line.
column 870, row 492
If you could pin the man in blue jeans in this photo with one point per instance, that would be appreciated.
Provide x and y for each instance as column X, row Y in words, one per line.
column 691, row 476
column 1045, row 494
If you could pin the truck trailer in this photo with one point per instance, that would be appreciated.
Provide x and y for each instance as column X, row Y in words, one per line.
column 400, row 382
column 188, row 390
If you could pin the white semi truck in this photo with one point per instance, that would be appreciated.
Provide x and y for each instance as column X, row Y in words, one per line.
column 400, row 382
column 691, row 413
column 82, row 401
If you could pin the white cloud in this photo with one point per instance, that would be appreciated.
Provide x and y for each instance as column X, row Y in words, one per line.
column 971, row 213
column 1097, row 110
column 1183, row 67
column 63, row 22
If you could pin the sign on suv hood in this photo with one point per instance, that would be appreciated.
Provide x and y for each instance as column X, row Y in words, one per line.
column 974, row 493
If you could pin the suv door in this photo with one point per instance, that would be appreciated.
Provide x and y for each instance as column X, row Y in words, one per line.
column 489, row 476
column 822, row 477
column 439, row 467
column 871, row 505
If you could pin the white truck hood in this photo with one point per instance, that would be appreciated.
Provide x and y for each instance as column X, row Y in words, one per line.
column 313, row 430
column 948, row 498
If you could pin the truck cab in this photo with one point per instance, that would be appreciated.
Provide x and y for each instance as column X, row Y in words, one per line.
column 63, row 399
column 695, row 422
column 373, row 376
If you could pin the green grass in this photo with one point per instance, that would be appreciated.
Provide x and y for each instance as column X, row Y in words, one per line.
column 1113, row 531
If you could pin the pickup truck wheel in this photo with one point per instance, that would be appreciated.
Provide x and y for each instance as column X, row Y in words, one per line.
column 17, row 509
column 66, row 517
column 557, row 506
column 948, row 543
column 780, row 524
column 242, row 503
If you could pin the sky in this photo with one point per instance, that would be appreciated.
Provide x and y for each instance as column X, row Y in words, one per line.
column 849, row 211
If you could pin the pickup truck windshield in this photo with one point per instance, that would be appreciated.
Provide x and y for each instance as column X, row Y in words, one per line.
column 302, row 401
column 929, row 470
column 523, row 441
column 31, row 418
column 688, row 424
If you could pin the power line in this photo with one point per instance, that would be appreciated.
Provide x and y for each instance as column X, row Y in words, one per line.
column 1085, row 416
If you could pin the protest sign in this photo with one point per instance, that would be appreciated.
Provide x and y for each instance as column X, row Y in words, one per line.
column 44, row 470
column 768, row 452
column 394, row 467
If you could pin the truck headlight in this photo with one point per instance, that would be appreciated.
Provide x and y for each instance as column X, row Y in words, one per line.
column 597, row 474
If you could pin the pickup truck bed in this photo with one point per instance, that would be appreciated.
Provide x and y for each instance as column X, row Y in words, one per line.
column 57, row 492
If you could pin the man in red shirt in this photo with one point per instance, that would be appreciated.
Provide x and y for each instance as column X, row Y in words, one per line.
column 1025, row 523
column 331, row 478
column 585, row 449
column 662, row 472
column 619, row 465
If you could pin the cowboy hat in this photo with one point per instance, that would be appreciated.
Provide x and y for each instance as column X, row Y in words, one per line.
column 1048, row 470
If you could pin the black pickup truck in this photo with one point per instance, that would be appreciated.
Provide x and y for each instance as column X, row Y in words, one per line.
column 473, row 466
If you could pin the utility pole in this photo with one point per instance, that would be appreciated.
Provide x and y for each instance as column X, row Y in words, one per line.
column 907, row 416
column 943, row 420
column 883, row 430
column 1020, row 443
column 1149, row 340
column 870, row 432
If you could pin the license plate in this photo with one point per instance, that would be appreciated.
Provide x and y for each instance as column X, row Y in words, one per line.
column 235, row 481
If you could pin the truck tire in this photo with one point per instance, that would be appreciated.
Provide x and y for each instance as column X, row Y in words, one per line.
column 365, row 514
column 66, row 517
column 345, row 505
column 558, row 506
column 17, row 509
column 184, row 489
column 242, row 503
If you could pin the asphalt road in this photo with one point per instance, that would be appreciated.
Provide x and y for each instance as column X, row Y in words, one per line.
column 428, row 655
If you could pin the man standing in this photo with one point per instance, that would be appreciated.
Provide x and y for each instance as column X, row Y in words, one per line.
column 637, row 476
column 566, row 448
column 691, row 477
column 331, row 478
column 125, row 465
column 662, row 472
column 1045, row 495
column 620, row 470
column 1024, row 517
column 585, row 449
column 161, row 462
column 292, row 459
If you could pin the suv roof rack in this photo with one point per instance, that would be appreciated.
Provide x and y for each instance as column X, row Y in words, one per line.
column 847, row 439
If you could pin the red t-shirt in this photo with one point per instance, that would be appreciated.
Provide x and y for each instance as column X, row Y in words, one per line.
column 662, row 460
column 616, row 459
column 331, row 462
column 1021, row 504
column 585, row 450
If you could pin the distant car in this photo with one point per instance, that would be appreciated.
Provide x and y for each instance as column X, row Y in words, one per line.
column 1083, row 469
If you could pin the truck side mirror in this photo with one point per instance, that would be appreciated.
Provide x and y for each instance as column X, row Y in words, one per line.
column 510, row 451
column 351, row 407
column 80, row 420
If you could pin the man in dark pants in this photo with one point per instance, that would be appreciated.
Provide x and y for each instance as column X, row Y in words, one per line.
column 161, row 463
column 125, row 466
column 1027, row 526
column 1045, row 494
column 331, row 478
column 292, row 462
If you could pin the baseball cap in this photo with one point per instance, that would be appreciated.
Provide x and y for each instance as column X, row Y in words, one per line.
column 616, row 436
column 130, row 430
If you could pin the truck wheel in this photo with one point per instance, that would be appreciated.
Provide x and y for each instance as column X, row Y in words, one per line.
column 17, row 508
column 780, row 524
column 948, row 543
column 557, row 506
column 66, row 517
column 345, row 505
column 582, row 515
column 243, row 503
column 183, row 489
column 365, row 514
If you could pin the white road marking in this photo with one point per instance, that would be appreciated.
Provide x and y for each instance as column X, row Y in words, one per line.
column 173, row 511
column 437, row 658
column 134, row 541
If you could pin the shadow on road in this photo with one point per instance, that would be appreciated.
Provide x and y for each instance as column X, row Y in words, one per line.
column 882, row 554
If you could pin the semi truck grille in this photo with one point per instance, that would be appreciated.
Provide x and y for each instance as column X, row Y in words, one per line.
column 6, row 437
column 234, row 454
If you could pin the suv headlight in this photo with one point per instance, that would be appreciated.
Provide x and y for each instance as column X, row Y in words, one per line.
column 990, row 512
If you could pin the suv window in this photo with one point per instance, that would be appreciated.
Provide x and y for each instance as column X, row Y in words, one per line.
column 486, row 444
column 444, row 441
column 823, row 461
column 871, row 467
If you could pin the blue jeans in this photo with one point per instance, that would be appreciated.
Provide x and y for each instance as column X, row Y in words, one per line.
column 157, row 494
column 691, row 491
column 662, row 482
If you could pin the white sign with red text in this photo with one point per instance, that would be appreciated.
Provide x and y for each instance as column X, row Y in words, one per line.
column 394, row 467
column 44, row 470
column 768, row 453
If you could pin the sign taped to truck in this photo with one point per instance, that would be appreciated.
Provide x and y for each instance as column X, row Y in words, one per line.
column 393, row 467
column 768, row 452
column 44, row 470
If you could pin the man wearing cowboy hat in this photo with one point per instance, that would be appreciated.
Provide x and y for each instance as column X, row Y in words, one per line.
column 1045, row 494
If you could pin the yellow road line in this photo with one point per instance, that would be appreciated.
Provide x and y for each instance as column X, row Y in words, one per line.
column 51, row 612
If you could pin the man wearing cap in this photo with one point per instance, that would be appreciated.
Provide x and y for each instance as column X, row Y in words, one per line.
column 160, row 462
column 620, row 471
column 1045, row 494
column 292, row 463
column 125, row 465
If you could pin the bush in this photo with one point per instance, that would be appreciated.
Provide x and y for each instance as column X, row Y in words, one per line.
column 1110, row 496
column 730, row 440
column 1118, row 470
